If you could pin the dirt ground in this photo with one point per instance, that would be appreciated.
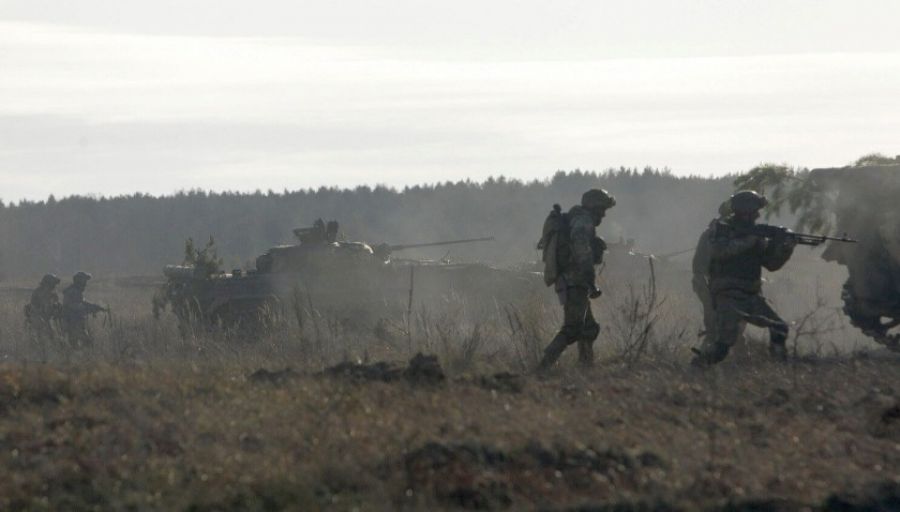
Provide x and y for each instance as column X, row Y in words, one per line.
column 815, row 434
column 316, row 415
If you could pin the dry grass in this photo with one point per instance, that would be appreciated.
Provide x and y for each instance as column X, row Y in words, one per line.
column 188, row 437
column 147, row 420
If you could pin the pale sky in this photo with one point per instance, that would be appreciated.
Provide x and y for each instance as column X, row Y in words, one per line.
column 120, row 96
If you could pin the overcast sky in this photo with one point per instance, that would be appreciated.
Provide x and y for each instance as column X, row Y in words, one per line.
column 119, row 96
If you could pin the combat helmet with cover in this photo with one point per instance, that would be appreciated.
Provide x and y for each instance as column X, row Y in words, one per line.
column 81, row 277
column 50, row 280
column 597, row 198
column 747, row 201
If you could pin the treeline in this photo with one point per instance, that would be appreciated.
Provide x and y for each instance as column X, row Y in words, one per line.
column 138, row 234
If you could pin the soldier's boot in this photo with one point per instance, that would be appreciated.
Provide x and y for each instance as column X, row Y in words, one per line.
column 552, row 352
column 709, row 354
column 777, row 342
column 586, row 353
column 778, row 352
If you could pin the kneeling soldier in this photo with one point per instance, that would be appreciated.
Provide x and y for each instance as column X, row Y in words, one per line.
column 737, row 255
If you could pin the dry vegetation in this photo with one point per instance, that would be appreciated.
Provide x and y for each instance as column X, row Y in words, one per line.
column 147, row 420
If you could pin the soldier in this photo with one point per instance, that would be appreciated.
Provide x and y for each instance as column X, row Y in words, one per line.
column 43, row 308
column 579, row 250
column 75, row 311
column 737, row 255
column 700, row 268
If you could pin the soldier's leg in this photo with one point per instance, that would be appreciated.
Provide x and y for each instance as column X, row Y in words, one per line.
column 763, row 315
column 76, row 331
column 590, row 331
column 574, row 302
column 701, row 290
column 729, row 324
column 86, row 339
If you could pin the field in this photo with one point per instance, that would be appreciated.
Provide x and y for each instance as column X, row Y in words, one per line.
column 315, row 415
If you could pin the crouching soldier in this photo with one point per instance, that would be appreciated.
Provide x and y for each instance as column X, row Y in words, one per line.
column 738, row 252
column 572, row 249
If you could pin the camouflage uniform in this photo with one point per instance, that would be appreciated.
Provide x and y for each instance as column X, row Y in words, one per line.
column 75, row 311
column 735, row 279
column 43, row 308
column 700, row 280
column 580, row 250
column 700, row 268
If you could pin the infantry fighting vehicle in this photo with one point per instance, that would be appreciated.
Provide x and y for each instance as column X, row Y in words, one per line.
column 859, row 200
column 863, row 201
column 349, row 281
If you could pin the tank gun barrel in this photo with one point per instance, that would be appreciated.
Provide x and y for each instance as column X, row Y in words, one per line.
column 402, row 247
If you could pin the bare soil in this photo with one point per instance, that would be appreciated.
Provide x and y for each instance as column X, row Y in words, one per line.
column 820, row 433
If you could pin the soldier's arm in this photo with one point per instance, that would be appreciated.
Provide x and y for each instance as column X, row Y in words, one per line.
column 778, row 253
column 598, row 249
column 93, row 308
column 581, row 239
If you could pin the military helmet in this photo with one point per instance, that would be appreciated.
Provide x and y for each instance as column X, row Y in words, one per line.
column 747, row 201
column 50, row 280
column 81, row 277
column 725, row 208
column 597, row 198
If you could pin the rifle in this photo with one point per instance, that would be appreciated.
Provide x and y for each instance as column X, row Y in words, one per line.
column 93, row 309
column 781, row 232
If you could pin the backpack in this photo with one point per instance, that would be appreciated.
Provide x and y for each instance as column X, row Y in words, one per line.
column 554, row 244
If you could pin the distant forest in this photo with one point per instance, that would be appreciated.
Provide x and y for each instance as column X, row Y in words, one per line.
column 138, row 234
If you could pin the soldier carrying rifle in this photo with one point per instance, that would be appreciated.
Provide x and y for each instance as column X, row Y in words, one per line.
column 75, row 311
column 738, row 250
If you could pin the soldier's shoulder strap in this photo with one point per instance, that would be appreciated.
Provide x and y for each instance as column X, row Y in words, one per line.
column 719, row 228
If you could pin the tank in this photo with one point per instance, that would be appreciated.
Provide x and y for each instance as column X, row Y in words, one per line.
column 350, row 281
column 862, row 201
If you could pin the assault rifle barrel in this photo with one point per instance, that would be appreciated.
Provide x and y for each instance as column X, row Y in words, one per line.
column 801, row 238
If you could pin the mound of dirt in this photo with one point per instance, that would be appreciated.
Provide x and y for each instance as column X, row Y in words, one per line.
column 503, row 382
column 424, row 370
column 421, row 370
column 380, row 372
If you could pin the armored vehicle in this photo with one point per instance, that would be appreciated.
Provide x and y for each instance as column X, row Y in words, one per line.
column 859, row 200
column 863, row 202
column 349, row 281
